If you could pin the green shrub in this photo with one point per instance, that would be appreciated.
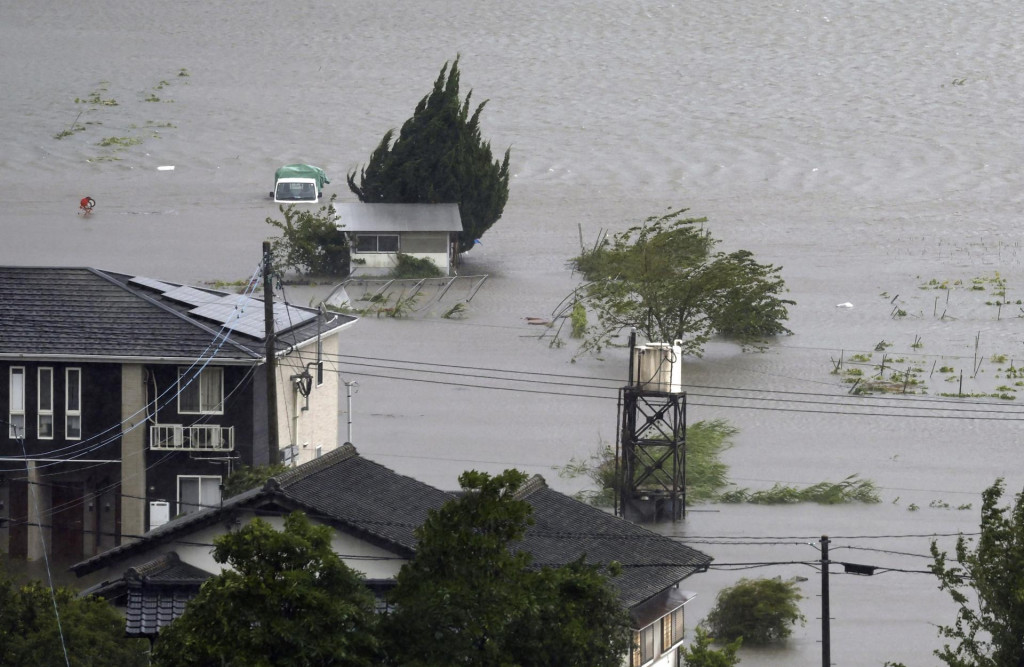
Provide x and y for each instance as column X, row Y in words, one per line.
column 311, row 242
column 414, row 267
column 760, row 611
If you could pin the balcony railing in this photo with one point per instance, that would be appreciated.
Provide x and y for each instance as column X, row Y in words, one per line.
column 196, row 438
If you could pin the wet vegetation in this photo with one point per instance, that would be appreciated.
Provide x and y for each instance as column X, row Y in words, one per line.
column 707, row 477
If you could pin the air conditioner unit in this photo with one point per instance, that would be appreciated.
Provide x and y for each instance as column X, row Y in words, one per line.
column 658, row 367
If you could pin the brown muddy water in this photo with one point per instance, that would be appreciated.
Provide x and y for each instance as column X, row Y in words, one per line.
column 868, row 148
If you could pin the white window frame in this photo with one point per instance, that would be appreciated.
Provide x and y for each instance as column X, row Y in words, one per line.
column 16, row 394
column 72, row 404
column 189, row 381
column 44, row 394
column 203, row 502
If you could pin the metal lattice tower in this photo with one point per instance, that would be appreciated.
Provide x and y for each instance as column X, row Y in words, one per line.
column 651, row 450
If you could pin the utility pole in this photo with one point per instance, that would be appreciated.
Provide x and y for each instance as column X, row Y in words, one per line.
column 826, row 644
column 271, row 353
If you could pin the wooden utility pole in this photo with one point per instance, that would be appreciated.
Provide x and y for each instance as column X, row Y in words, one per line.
column 271, row 353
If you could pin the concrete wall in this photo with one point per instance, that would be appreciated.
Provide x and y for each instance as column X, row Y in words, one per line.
column 133, row 451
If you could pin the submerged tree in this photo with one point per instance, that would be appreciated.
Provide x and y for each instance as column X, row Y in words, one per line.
column 986, row 581
column 439, row 157
column 759, row 611
column 665, row 279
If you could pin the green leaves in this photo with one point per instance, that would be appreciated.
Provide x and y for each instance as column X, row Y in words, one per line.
column 666, row 279
column 987, row 632
column 759, row 611
column 700, row 654
column 439, row 157
column 469, row 598
column 310, row 242
column 90, row 629
column 289, row 600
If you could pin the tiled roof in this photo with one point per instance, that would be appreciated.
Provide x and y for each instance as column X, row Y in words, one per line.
column 365, row 496
column 153, row 594
column 565, row 529
column 376, row 503
column 150, row 609
column 84, row 312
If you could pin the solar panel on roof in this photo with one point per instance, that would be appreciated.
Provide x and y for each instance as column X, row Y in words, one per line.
column 192, row 296
column 151, row 283
column 247, row 317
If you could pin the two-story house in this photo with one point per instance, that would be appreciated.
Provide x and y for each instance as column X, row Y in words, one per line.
column 374, row 513
column 125, row 401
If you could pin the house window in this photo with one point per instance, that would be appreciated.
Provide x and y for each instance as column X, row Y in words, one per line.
column 202, row 394
column 16, row 417
column 643, row 646
column 73, row 404
column 377, row 243
column 196, row 492
column 44, row 421
column 672, row 628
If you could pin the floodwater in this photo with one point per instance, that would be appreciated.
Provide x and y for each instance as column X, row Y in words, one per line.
column 868, row 148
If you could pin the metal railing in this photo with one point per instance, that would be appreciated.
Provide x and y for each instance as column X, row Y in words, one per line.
column 198, row 437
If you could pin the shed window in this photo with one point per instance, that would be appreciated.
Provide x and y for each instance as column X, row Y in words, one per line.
column 377, row 243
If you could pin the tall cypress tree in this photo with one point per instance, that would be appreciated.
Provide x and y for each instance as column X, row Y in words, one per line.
column 439, row 157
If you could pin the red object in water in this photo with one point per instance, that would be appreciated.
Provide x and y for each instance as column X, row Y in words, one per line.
column 86, row 205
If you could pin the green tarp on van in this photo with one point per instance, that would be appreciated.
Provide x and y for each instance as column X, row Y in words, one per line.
column 303, row 171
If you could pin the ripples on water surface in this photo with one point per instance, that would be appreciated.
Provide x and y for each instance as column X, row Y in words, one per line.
column 866, row 147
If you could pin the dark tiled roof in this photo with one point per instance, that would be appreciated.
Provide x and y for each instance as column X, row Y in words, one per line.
column 151, row 608
column 365, row 496
column 376, row 503
column 565, row 529
column 83, row 312
column 153, row 594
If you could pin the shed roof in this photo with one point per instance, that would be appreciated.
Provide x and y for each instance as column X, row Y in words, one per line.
column 361, row 217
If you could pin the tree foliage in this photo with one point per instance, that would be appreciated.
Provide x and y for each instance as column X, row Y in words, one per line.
column 665, row 278
column 439, row 157
column 310, row 241
column 288, row 600
column 986, row 581
column 246, row 477
column 701, row 653
column 759, row 611
column 90, row 631
column 469, row 598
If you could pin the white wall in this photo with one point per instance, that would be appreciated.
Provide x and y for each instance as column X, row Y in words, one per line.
column 317, row 425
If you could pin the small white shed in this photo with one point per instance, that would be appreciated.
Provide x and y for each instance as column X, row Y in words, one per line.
column 377, row 233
